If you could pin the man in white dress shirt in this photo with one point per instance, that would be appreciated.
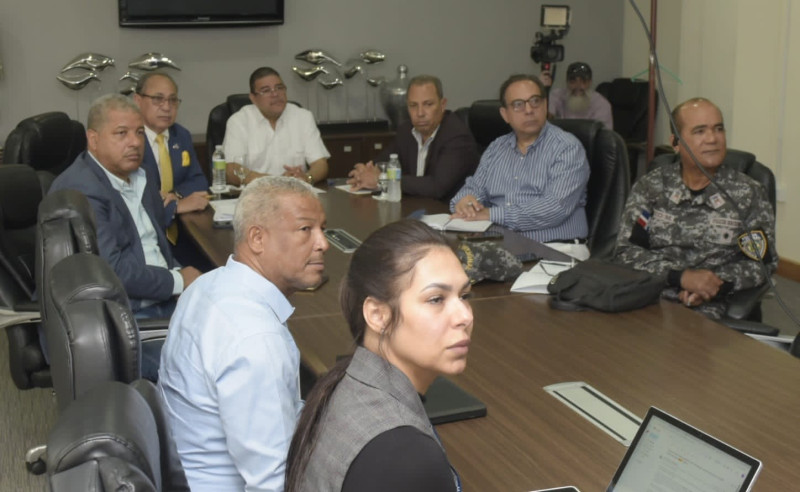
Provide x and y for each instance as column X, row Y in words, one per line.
column 274, row 137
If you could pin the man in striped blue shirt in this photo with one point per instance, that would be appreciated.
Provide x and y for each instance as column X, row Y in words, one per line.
column 532, row 180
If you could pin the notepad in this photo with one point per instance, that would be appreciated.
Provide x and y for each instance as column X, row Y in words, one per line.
column 443, row 222
column 223, row 210
column 535, row 280
column 346, row 188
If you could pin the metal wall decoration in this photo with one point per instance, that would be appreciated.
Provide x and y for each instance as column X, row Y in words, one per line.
column 77, row 81
column 309, row 74
column 317, row 57
column 89, row 61
column 372, row 56
column 330, row 74
column 84, row 68
column 151, row 61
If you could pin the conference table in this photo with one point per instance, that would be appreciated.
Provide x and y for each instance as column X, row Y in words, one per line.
column 725, row 383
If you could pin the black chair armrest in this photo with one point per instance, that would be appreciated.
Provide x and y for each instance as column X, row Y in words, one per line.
column 743, row 302
column 745, row 326
column 27, row 307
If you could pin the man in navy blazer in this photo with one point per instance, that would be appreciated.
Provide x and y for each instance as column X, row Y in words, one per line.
column 186, row 188
column 128, row 209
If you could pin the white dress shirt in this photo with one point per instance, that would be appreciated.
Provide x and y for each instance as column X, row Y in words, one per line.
column 294, row 141
column 422, row 149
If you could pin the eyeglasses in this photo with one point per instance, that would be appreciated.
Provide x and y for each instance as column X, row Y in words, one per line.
column 278, row 89
column 518, row 105
column 160, row 100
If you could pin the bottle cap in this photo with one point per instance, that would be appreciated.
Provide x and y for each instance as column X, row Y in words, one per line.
column 393, row 156
column 218, row 147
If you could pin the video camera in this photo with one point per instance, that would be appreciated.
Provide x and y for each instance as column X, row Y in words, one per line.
column 545, row 50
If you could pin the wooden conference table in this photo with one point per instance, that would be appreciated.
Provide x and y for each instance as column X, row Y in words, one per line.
column 725, row 383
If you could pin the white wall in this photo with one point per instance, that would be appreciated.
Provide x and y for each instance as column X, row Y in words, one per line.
column 471, row 44
column 741, row 54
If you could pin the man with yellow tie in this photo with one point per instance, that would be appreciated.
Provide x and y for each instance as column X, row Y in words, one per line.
column 170, row 161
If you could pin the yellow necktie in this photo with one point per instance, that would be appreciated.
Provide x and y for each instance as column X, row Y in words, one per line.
column 165, row 163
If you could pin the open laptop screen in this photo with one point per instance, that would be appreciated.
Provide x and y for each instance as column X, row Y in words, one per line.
column 668, row 454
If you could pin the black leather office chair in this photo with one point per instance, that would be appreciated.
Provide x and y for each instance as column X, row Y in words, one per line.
column 114, row 437
column 21, row 191
column 629, row 100
column 485, row 122
column 48, row 142
column 744, row 305
column 609, row 181
column 91, row 333
column 218, row 119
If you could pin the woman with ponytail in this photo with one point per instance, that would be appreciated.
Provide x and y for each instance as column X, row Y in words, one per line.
column 405, row 298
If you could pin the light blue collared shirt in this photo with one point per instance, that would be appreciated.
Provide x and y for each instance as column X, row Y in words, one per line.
column 229, row 377
column 542, row 193
column 132, row 193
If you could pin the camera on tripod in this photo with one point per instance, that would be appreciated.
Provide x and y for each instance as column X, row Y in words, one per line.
column 545, row 50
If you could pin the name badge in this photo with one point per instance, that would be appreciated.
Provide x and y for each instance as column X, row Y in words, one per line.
column 716, row 200
column 185, row 159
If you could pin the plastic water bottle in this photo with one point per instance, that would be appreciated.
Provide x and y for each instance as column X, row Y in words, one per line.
column 393, row 175
column 218, row 183
column 383, row 180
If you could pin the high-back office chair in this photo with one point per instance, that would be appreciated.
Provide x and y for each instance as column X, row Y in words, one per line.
column 91, row 333
column 114, row 437
column 744, row 304
column 218, row 119
column 629, row 100
column 485, row 123
column 21, row 191
column 609, row 181
column 48, row 142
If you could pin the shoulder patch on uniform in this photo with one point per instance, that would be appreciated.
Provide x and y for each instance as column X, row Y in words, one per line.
column 753, row 244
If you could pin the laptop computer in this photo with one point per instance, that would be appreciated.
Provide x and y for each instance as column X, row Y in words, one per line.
column 668, row 454
column 446, row 402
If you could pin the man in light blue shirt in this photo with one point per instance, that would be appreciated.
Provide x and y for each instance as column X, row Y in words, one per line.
column 229, row 371
column 532, row 180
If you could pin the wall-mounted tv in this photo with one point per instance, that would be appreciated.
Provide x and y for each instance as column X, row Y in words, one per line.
column 183, row 13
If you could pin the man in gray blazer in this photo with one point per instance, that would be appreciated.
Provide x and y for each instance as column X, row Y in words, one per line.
column 129, row 211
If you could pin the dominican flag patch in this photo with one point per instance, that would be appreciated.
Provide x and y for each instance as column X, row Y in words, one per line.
column 644, row 219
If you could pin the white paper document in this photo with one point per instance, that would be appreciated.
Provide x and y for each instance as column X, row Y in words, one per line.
column 443, row 222
column 223, row 209
column 535, row 280
column 346, row 189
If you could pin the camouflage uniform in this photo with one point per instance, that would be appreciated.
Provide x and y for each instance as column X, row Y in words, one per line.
column 666, row 226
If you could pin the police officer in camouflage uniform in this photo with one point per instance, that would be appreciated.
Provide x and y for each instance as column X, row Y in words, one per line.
column 678, row 224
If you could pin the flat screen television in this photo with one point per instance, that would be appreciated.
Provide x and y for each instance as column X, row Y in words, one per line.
column 188, row 13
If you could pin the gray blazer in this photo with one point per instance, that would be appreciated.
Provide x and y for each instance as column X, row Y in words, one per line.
column 372, row 398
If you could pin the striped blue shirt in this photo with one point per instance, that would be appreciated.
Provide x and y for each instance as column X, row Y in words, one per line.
column 541, row 194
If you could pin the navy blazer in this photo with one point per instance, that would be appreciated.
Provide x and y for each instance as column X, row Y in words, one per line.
column 117, row 236
column 185, row 179
column 452, row 156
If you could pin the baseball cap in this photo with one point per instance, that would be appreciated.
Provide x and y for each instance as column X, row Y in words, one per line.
column 579, row 69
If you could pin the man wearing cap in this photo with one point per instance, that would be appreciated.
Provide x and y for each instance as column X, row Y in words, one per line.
column 706, row 239
column 578, row 100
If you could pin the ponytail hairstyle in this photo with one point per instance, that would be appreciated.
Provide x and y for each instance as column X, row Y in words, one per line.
column 379, row 269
